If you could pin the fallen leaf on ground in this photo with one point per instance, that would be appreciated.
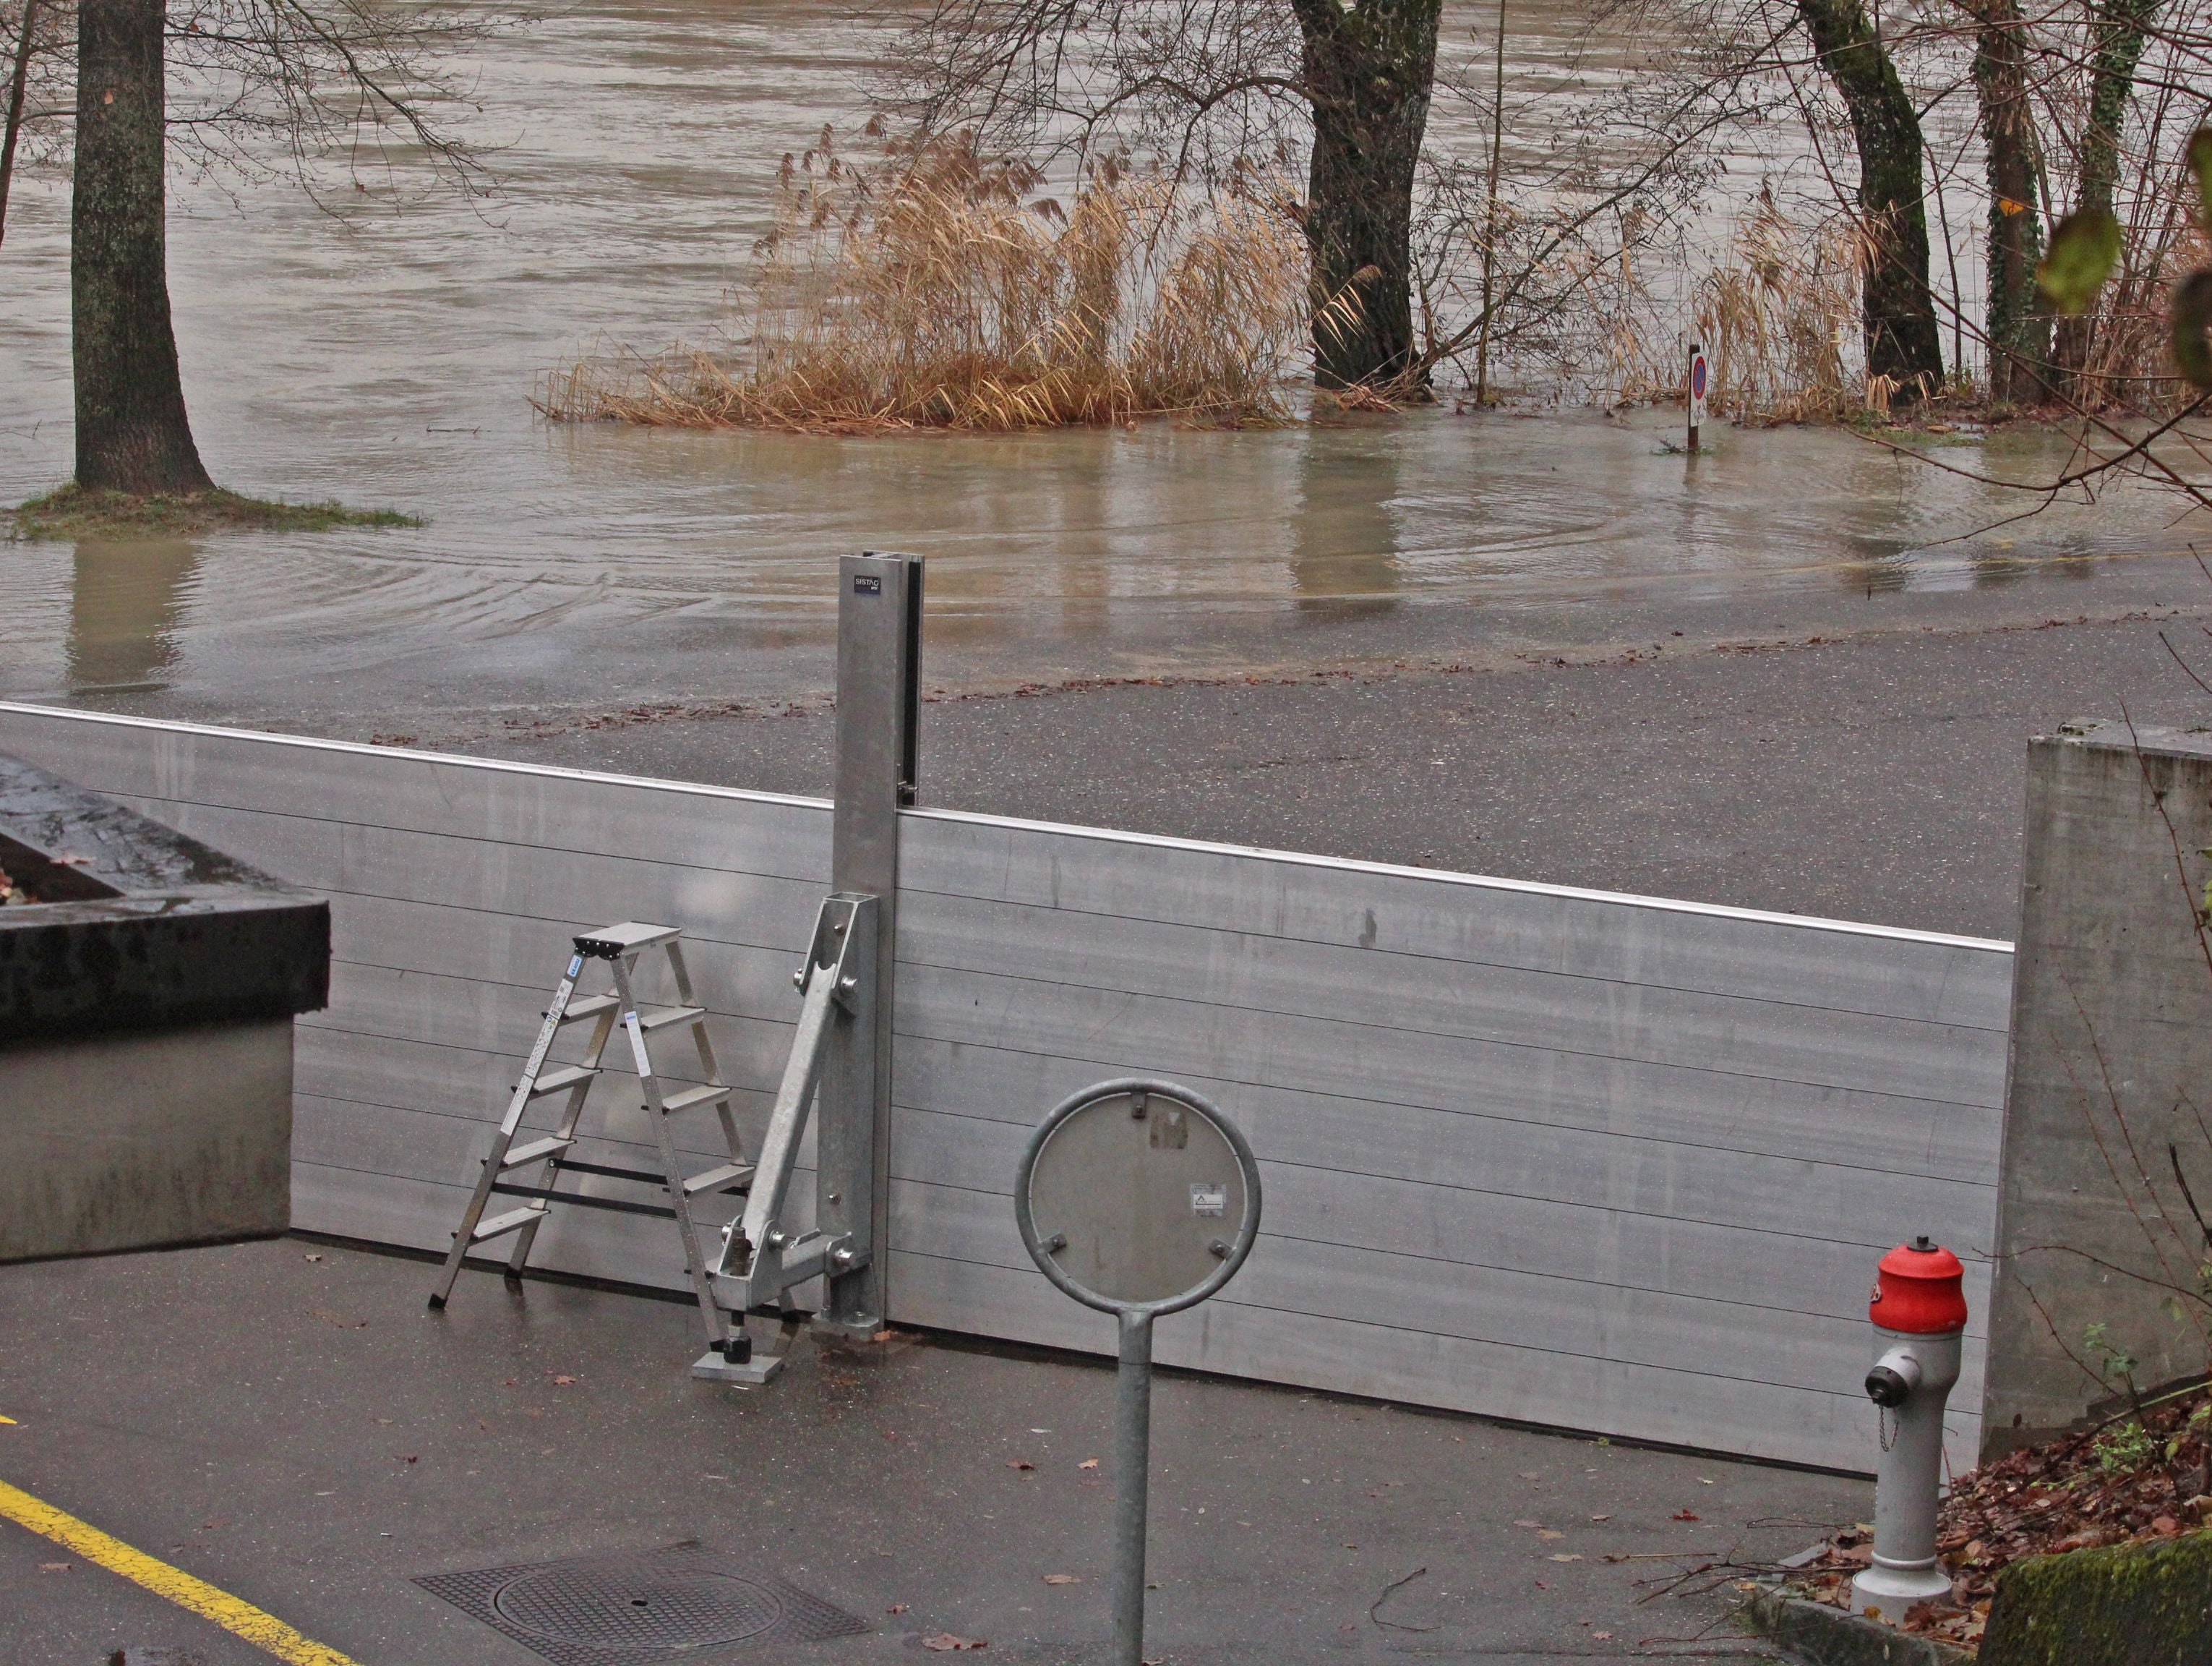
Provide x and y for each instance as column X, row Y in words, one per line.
column 1088, row 1463
column 53, row 1567
column 314, row 1258
column 1685, row 1516
column 895, row 1607
column 1549, row 1533
column 1061, row 1579
column 1602, row 1636
column 1600, row 1518
column 1523, row 1523
column 563, row 1382
column 1532, row 1474
column 1567, row 1557
column 1019, row 1463
column 945, row 1643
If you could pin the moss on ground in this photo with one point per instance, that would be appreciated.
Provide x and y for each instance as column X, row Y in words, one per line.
column 2130, row 1605
column 71, row 512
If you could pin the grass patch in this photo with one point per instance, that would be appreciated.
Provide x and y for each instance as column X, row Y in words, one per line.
column 937, row 290
column 72, row 512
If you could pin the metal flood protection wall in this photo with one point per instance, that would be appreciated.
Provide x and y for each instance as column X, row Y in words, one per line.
column 1602, row 1163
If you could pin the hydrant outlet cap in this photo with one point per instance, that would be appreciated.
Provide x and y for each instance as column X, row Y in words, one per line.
column 1919, row 1291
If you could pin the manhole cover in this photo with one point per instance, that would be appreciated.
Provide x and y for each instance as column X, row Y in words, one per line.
column 634, row 1607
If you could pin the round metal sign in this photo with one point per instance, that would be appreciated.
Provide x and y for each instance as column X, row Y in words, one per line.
column 1138, row 1195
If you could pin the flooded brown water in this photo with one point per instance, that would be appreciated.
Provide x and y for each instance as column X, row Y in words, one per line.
column 386, row 359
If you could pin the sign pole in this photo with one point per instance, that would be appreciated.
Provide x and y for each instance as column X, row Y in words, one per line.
column 1697, row 392
column 1137, row 1197
column 1133, row 1458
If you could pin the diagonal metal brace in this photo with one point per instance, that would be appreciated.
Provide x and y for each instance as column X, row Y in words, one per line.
column 763, row 1256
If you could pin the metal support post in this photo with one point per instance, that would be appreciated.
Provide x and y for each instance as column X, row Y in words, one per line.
column 1133, row 1461
column 878, row 706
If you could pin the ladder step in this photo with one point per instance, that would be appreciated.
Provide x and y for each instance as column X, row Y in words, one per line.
column 584, row 1201
column 690, row 1098
column 535, row 1151
column 628, row 938
column 499, row 1225
column 561, row 1077
column 728, row 1177
column 649, row 1018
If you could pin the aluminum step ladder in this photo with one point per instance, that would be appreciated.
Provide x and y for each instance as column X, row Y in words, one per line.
column 532, row 1171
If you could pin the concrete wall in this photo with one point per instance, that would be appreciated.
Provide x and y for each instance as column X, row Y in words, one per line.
column 128, row 1141
column 1607, row 1162
column 2111, row 1079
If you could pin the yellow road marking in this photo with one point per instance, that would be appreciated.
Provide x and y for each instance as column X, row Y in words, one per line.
column 233, row 1615
column 7, row 1420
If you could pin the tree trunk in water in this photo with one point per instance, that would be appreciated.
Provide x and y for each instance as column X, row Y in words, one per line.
column 2119, row 30
column 2019, row 332
column 1369, row 71
column 131, row 431
column 1896, row 313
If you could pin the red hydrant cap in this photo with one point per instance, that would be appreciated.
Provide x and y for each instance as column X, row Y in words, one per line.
column 1919, row 1291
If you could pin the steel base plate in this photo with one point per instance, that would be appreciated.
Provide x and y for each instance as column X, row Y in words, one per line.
column 640, row 1606
column 761, row 1368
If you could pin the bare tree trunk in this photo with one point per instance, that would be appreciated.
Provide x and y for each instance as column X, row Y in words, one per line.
column 2019, row 332
column 17, row 82
column 131, row 432
column 2119, row 29
column 1897, row 312
column 1369, row 71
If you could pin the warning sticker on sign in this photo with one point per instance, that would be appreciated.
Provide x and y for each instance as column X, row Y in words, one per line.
column 1206, row 1199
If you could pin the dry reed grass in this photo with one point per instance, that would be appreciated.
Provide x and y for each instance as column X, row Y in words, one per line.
column 1779, row 319
column 938, row 291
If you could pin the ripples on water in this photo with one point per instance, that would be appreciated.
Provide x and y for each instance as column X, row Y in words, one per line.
column 387, row 359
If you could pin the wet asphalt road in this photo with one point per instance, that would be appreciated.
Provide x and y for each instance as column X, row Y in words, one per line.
column 1876, row 777
column 285, row 1420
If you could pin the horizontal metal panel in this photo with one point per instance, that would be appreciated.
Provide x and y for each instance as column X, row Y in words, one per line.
column 1528, row 1310
column 1872, row 1134
column 1422, row 995
column 503, row 1019
column 1352, row 1062
column 1746, row 1266
column 509, row 802
column 1714, row 1413
column 386, row 1209
column 1826, row 965
column 519, row 881
column 446, row 1150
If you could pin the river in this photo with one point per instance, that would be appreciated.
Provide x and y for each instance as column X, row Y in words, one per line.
column 385, row 358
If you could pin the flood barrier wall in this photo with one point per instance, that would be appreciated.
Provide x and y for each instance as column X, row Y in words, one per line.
column 1605, row 1162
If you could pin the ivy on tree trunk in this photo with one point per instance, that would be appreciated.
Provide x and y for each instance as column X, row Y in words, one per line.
column 1368, row 69
column 131, row 432
column 2119, row 29
column 2019, row 330
column 1897, row 312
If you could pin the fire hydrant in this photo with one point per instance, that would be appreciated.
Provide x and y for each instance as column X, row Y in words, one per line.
column 1919, row 1314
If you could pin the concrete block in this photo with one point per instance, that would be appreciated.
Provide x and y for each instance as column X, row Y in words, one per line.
column 134, row 1141
column 126, row 1142
column 2109, row 1093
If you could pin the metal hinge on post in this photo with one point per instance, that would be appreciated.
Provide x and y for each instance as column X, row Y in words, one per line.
column 829, row 1080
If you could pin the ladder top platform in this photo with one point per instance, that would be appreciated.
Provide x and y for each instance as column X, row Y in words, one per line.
column 628, row 938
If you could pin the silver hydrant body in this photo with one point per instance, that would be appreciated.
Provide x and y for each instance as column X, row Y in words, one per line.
column 1919, row 1315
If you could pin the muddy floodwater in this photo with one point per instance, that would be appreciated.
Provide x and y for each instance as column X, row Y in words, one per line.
column 386, row 359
